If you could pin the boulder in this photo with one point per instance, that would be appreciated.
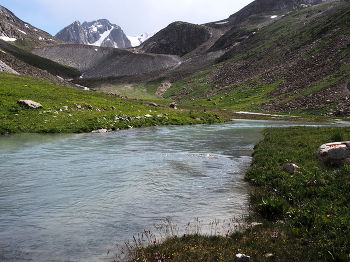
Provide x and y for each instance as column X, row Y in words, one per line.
column 335, row 153
column 290, row 168
column 29, row 103
column 173, row 105
column 153, row 104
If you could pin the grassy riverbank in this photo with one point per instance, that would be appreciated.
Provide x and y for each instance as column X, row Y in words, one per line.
column 71, row 110
column 304, row 216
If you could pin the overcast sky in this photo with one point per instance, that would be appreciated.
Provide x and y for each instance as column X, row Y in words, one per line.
column 133, row 16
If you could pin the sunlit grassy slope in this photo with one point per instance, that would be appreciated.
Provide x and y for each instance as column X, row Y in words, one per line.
column 67, row 109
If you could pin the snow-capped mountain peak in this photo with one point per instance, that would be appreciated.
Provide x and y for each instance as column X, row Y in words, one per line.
column 100, row 33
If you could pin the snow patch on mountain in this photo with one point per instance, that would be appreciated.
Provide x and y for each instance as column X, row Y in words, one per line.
column 8, row 39
column 103, row 37
column 138, row 40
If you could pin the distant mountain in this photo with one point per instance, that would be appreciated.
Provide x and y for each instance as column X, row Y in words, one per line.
column 98, row 33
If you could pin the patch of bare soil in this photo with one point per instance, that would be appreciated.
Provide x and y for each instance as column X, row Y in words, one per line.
column 163, row 88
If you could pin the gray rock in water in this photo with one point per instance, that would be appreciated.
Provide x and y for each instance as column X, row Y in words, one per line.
column 29, row 104
column 335, row 153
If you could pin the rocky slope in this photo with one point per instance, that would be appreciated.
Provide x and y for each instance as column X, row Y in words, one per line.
column 304, row 53
column 19, row 61
column 95, row 61
column 263, row 6
column 178, row 38
column 12, row 28
column 98, row 33
column 16, row 37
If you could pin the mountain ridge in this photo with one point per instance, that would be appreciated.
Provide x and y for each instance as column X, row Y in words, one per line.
column 100, row 32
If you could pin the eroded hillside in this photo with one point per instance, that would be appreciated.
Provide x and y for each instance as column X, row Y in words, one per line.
column 95, row 61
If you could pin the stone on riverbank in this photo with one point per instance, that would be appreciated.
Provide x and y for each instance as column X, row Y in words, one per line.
column 335, row 153
column 290, row 168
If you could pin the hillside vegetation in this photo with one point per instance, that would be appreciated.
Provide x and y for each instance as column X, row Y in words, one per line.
column 300, row 64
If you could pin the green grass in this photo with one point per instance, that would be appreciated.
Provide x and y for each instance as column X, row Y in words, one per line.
column 138, row 91
column 244, row 96
column 194, row 85
column 67, row 109
column 304, row 216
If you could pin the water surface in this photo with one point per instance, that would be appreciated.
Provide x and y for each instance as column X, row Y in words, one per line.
column 72, row 197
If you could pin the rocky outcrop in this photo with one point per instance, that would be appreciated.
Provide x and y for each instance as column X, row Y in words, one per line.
column 178, row 38
column 29, row 104
column 335, row 153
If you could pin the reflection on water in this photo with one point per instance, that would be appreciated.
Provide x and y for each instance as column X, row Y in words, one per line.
column 72, row 197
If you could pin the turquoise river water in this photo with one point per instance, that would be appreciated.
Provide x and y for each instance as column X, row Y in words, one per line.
column 73, row 197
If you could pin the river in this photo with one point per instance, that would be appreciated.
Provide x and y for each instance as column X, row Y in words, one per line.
column 73, row 197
